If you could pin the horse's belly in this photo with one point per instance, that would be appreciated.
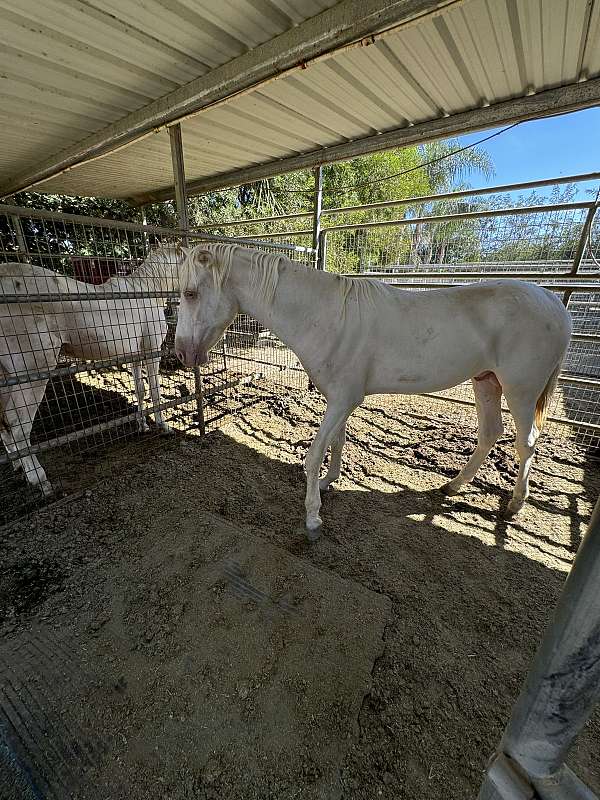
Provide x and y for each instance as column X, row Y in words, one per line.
column 103, row 341
column 421, row 375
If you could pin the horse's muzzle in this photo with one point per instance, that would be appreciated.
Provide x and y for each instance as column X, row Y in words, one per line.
column 190, row 356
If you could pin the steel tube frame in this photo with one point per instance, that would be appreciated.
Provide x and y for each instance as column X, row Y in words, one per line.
column 178, row 161
column 574, row 283
column 83, row 433
column 581, row 247
column 416, row 200
column 317, row 209
column 172, row 233
column 560, row 692
column 500, row 212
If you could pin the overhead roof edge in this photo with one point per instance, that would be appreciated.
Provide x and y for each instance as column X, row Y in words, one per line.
column 348, row 22
column 552, row 102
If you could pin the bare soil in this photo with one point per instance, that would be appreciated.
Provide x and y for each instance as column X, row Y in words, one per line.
column 106, row 576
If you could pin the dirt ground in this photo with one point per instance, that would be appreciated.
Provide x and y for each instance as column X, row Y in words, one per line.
column 467, row 596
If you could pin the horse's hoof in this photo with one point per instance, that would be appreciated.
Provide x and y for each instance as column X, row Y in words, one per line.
column 166, row 430
column 324, row 487
column 511, row 510
column 449, row 489
column 313, row 529
column 46, row 488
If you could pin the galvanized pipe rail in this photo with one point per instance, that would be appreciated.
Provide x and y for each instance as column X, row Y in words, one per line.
column 559, row 695
column 136, row 227
column 415, row 200
column 406, row 221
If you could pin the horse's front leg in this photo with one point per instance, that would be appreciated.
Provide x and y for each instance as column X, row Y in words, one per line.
column 338, row 411
column 138, row 382
column 153, row 366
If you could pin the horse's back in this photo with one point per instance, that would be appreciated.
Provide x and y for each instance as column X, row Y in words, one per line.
column 519, row 304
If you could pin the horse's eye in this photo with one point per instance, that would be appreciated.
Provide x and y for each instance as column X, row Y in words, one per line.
column 189, row 294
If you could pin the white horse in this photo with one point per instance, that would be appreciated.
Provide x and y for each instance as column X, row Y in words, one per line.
column 33, row 334
column 359, row 336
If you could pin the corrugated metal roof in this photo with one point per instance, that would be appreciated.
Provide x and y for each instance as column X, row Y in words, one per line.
column 68, row 69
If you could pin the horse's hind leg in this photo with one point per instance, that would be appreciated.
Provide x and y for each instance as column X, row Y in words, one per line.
column 335, row 464
column 522, row 409
column 140, row 391
column 488, row 396
column 20, row 409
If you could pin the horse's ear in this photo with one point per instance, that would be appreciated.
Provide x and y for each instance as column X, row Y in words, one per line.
column 203, row 258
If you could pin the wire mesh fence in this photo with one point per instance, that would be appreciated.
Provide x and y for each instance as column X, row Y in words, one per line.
column 89, row 307
column 542, row 244
column 88, row 310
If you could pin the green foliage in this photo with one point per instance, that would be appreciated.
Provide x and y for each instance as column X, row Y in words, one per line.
column 410, row 172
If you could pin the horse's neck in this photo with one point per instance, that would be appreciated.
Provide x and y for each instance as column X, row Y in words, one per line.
column 154, row 274
column 302, row 297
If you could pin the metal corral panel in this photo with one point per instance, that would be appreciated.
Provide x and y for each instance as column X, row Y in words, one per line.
column 69, row 69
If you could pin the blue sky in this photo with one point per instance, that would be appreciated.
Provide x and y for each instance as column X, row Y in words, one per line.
column 544, row 148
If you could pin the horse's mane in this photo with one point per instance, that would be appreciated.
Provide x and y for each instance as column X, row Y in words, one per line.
column 265, row 271
column 162, row 263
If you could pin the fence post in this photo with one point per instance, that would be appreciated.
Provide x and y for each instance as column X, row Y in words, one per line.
column 317, row 208
column 19, row 235
column 182, row 214
column 322, row 250
column 561, row 689
column 585, row 232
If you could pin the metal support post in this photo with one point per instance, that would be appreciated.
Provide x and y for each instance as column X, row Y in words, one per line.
column 181, row 204
column 317, row 208
column 585, row 232
column 561, row 689
column 19, row 236
column 322, row 250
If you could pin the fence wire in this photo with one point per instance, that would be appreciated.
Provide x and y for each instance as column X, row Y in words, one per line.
column 88, row 312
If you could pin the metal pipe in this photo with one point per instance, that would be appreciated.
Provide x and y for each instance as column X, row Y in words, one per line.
column 172, row 233
column 450, row 273
column 91, row 296
column 304, row 232
column 256, row 220
column 563, row 684
column 101, row 427
column 178, row 162
column 415, row 200
column 570, row 423
column 423, row 284
column 499, row 212
column 74, row 369
column 322, row 261
column 317, row 206
column 580, row 248
column 59, row 216
column 83, row 433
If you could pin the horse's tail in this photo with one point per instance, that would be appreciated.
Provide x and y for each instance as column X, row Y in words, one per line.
column 543, row 403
